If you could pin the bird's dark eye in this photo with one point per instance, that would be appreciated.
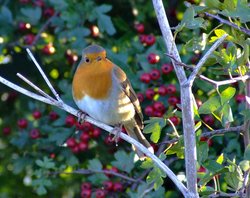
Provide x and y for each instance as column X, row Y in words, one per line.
column 87, row 60
column 99, row 58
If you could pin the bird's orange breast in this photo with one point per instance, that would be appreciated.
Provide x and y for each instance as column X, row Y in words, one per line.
column 94, row 80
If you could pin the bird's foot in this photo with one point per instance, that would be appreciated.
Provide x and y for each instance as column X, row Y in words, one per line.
column 117, row 131
column 81, row 116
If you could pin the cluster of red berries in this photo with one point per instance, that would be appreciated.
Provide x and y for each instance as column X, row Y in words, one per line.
column 146, row 39
column 87, row 130
column 108, row 186
column 26, row 28
column 71, row 57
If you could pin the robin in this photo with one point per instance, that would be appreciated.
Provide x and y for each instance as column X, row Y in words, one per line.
column 102, row 90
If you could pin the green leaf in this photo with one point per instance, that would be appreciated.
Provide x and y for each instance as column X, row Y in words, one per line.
column 104, row 8
column 59, row 5
column 41, row 190
column 213, row 166
column 190, row 21
column 121, row 157
column 234, row 180
column 177, row 149
column 213, row 4
column 60, row 135
column 98, row 178
column 227, row 94
column 6, row 15
column 94, row 165
column 227, row 114
column 147, row 163
column 202, row 152
column 211, row 105
column 32, row 15
column 220, row 159
column 247, row 153
column 105, row 24
column 244, row 165
column 154, row 126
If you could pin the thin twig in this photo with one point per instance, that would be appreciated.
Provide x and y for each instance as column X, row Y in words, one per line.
column 179, row 63
column 88, row 172
column 222, row 194
column 43, row 75
column 204, row 58
column 46, row 24
column 236, row 129
column 35, row 87
column 224, row 82
column 224, row 21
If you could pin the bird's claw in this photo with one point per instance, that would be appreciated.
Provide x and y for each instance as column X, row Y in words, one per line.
column 117, row 131
column 81, row 116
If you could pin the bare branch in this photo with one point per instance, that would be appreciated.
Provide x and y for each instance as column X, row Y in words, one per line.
column 224, row 82
column 179, row 63
column 43, row 75
column 224, row 21
column 88, row 172
column 204, row 58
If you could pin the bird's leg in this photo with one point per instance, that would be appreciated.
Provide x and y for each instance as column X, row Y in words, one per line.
column 117, row 131
column 81, row 116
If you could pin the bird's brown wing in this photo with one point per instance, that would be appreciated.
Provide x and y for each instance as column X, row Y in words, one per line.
column 129, row 91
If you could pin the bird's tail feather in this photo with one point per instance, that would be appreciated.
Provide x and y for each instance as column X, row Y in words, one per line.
column 135, row 132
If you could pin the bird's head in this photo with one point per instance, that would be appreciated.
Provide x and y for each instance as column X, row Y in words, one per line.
column 93, row 54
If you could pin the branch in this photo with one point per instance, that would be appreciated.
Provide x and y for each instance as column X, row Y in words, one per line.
column 236, row 129
column 60, row 104
column 180, row 63
column 224, row 82
column 224, row 21
column 204, row 58
column 222, row 194
column 88, row 172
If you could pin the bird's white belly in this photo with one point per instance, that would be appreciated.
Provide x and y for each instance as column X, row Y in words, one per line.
column 111, row 111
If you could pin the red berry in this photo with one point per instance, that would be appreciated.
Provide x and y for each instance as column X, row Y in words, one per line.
column 39, row 3
column 155, row 74
column 153, row 58
column 159, row 106
column 150, row 93
column 209, row 120
column 109, row 140
column 162, row 90
column 83, row 146
column 22, row 123
column 140, row 97
column 150, row 40
column 36, row 114
column 108, row 185
column 171, row 89
column 86, row 193
column 149, row 111
column 142, row 38
column 48, row 12
column 75, row 149
column 70, row 121
column 49, row 49
column 22, row 26
column 112, row 169
column 173, row 100
column 71, row 142
column 145, row 78
column 195, row 58
column 139, row 27
column 29, row 38
column 86, row 185
column 205, row 139
column 175, row 120
column 167, row 68
column 198, row 102
column 52, row 155
column 24, row 1
column 85, row 126
column 117, row 187
column 34, row 134
column 202, row 170
column 240, row 98
column 99, row 193
column 158, row 114
column 84, row 137
column 95, row 133
column 6, row 130
column 12, row 96
column 95, row 32
column 53, row 116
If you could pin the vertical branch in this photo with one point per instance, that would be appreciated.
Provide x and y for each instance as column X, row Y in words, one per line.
column 246, row 130
column 186, row 101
